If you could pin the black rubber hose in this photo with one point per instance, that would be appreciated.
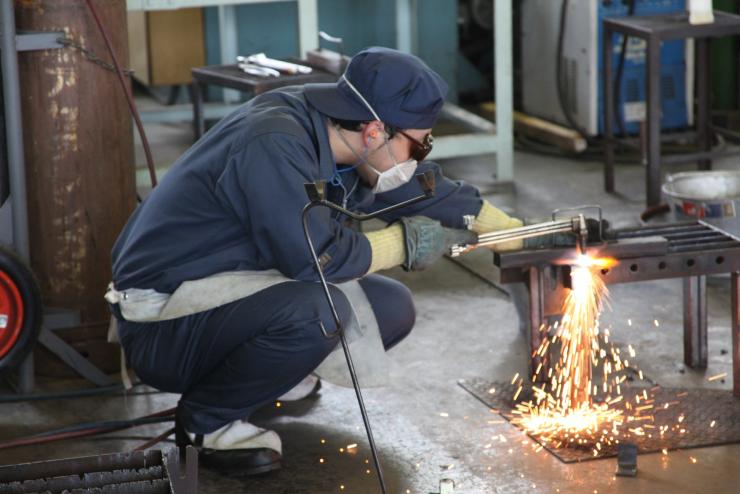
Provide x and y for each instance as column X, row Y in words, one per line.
column 127, row 93
column 559, row 74
column 89, row 429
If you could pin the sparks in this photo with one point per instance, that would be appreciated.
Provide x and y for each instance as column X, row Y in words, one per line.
column 716, row 377
column 563, row 412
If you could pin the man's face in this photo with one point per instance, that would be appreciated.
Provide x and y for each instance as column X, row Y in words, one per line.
column 384, row 156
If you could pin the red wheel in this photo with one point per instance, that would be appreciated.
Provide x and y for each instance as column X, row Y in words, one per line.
column 11, row 313
column 20, row 310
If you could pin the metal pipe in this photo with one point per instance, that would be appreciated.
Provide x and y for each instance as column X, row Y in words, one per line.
column 514, row 234
column 522, row 229
column 523, row 235
column 315, row 194
column 14, row 129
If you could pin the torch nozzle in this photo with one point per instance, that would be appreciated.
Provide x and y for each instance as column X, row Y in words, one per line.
column 581, row 231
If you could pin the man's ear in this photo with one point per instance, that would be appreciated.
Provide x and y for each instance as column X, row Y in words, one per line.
column 372, row 131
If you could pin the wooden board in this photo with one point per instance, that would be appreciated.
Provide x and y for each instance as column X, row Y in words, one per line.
column 165, row 45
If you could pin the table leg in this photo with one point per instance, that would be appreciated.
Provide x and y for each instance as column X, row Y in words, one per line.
column 695, row 322
column 653, row 121
column 198, row 121
column 608, row 83
column 703, row 103
column 537, row 320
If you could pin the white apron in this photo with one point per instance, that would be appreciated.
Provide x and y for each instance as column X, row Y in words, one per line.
column 191, row 297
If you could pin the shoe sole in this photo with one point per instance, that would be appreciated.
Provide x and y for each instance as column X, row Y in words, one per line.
column 233, row 463
column 238, row 463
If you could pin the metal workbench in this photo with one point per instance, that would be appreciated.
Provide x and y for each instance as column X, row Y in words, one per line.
column 690, row 250
column 654, row 30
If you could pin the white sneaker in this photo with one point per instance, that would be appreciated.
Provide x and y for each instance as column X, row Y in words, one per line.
column 237, row 449
column 241, row 435
column 308, row 387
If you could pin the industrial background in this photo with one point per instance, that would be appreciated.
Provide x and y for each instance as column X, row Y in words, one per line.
column 623, row 109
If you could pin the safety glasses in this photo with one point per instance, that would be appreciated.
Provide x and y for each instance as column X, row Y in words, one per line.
column 421, row 148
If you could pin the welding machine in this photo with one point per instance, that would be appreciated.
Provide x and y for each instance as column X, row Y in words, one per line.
column 582, row 86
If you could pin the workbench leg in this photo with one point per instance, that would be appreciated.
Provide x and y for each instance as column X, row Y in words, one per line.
column 695, row 322
column 703, row 120
column 536, row 321
column 735, row 327
column 198, row 120
column 608, row 113
column 653, row 182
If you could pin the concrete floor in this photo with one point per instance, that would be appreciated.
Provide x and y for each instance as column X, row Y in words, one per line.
column 426, row 426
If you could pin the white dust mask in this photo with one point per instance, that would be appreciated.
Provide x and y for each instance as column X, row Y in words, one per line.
column 395, row 176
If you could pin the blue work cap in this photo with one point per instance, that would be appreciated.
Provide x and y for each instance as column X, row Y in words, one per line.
column 403, row 90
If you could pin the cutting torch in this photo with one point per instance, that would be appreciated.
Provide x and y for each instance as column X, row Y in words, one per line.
column 576, row 225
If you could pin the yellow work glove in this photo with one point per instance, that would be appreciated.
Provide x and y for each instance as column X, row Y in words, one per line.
column 389, row 248
column 491, row 219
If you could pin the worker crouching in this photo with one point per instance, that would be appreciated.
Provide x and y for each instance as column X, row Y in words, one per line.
column 214, row 288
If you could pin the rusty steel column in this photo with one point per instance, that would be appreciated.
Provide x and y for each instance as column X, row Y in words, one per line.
column 79, row 162
column 735, row 328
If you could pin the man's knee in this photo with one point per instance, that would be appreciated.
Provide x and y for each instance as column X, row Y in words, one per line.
column 315, row 303
column 393, row 305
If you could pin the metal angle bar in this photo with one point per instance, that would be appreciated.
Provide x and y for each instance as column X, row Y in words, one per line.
column 648, row 232
column 706, row 237
column 678, row 236
column 95, row 480
column 706, row 246
column 674, row 159
column 452, row 146
column 671, row 266
column 467, row 119
column 72, row 358
column 38, row 40
column 56, row 468
column 629, row 248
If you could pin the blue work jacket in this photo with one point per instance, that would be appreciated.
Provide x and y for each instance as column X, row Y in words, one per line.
column 233, row 201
